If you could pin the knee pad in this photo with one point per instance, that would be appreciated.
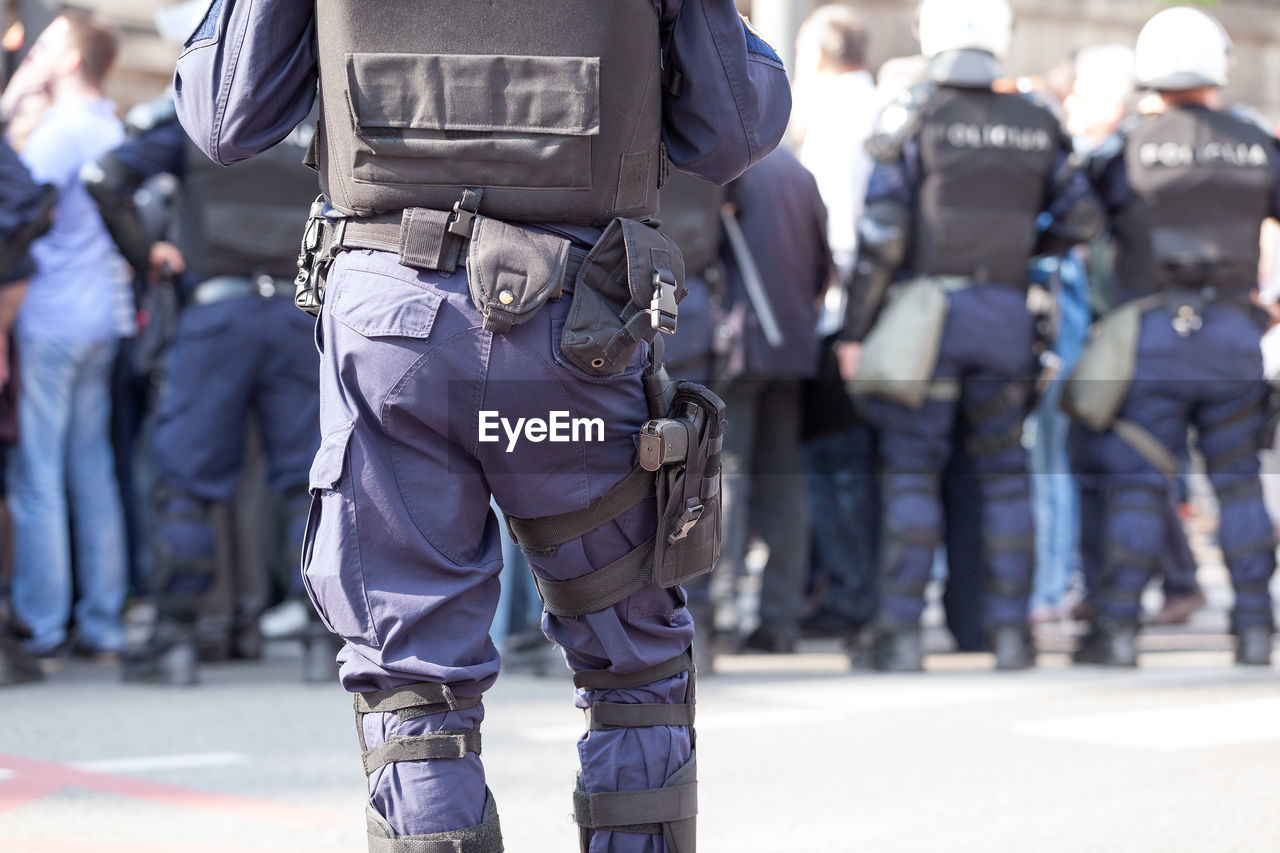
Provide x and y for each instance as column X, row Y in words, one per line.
column 410, row 702
column 670, row 810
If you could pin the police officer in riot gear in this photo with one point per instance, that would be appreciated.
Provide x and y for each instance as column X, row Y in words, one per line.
column 1187, row 189
column 962, row 175
column 239, row 345
column 465, row 275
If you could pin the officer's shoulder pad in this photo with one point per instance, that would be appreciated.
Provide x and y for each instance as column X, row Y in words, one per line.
column 1252, row 116
column 899, row 121
column 151, row 114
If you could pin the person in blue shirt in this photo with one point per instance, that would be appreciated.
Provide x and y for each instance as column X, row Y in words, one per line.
column 63, row 471
column 461, row 208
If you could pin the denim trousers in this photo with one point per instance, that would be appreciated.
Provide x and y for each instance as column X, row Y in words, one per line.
column 63, row 479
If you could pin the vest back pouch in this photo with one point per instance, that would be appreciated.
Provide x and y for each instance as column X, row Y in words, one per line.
column 552, row 108
column 627, row 291
column 245, row 218
column 986, row 160
column 1202, row 184
column 688, row 487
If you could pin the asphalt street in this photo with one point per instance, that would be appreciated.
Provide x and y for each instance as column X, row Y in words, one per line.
column 797, row 753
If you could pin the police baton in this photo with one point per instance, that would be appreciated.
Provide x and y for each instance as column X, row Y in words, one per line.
column 751, row 277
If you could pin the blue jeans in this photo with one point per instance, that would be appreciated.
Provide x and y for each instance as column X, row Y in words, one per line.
column 63, row 477
column 1056, row 503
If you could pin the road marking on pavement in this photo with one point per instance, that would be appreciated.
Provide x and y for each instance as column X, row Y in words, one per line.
column 1168, row 729
column 32, row 779
column 145, row 763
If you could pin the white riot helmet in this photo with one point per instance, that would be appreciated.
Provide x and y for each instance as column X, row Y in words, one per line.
column 965, row 25
column 1182, row 48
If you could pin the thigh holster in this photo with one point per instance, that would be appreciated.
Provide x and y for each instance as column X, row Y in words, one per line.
column 671, row 810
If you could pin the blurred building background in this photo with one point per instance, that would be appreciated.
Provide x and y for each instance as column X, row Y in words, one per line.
column 1045, row 32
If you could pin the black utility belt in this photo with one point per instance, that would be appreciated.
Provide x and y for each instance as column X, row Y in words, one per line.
column 626, row 288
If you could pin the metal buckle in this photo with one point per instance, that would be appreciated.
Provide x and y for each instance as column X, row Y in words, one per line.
column 663, row 308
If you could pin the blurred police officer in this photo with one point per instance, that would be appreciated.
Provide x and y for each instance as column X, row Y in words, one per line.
column 963, row 173
column 26, row 211
column 438, row 144
column 1187, row 189
column 239, row 345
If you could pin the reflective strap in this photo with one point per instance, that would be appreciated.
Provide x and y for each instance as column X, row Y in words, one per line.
column 545, row 534
column 639, row 811
column 433, row 745
column 1147, row 446
column 618, row 715
column 601, row 679
column 413, row 696
column 600, row 589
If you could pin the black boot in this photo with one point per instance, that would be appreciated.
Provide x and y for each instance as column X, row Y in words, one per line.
column 897, row 649
column 1253, row 646
column 17, row 665
column 1014, row 647
column 1109, row 644
column 168, row 657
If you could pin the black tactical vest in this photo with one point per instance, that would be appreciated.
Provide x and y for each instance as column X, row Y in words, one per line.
column 552, row 108
column 690, row 215
column 986, row 159
column 246, row 219
column 1202, row 184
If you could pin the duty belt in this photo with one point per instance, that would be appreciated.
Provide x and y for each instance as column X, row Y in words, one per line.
column 434, row 240
column 221, row 288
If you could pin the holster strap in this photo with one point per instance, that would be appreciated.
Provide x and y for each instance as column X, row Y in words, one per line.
column 422, row 238
column 601, row 679
column 643, row 810
column 545, row 534
column 434, row 745
column 618, row 715
column 601, row 589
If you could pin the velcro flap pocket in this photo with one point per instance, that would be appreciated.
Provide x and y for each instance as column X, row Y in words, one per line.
column 331, row 459
column 512, row 271
column 507, row 121
column 379, row 305
column 512, row 94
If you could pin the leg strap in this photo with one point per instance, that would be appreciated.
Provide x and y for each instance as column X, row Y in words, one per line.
column 413, row 700
column 484, row 838
column 1245, row 487
column 601, row 589
column 546, row 534
column 436, row 745
column 600, row 679
column 670, row 810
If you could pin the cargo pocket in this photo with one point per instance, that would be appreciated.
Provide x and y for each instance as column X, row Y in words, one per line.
column 504, row 121
column 331, row 567
column 379, row 305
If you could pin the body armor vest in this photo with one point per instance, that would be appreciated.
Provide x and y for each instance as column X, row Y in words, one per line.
column 1202, row 184
column 986, row 160
column 554, row 109
column 690, row 215
column 245, row 219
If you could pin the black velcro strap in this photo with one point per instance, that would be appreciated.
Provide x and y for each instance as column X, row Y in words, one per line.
column 618, row 715
column 424, row 695
column 1007, row 588
column 636, row 811
column 424, row 241
column 1246, row 487
column 602, row 679
column 1245, row 450
column 545, row 534
column 600, row 589
column 1012, row 398
column 990, row 445
column 434, row 745
column 1267, row 545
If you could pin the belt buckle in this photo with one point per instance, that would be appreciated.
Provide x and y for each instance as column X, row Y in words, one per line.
column 663, row 308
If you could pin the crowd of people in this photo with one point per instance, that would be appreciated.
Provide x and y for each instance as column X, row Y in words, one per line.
column 890, row 306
